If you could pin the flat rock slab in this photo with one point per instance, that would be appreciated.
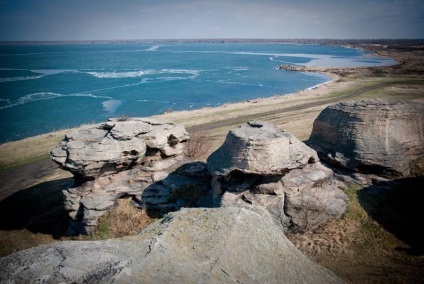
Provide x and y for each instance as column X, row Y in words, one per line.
column 220, row 245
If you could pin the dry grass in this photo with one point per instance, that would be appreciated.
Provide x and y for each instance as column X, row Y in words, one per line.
column 29, row 150
column 362, row 247
column 123, row 220
column 17, row 240
column 198, row 146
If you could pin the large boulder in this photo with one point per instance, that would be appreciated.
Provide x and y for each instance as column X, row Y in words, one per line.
column 262, row 165
column 117, row 145
column 376, row 136
column 260, row 148
column 222, row 245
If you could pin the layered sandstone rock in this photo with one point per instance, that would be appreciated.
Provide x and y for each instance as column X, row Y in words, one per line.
column 137, row 157
column 372, row 136
column 107, row 148
column 220, row 245
column 259, row 164
column 162, row 191
column 260, row 148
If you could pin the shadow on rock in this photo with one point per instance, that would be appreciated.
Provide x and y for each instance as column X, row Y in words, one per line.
column 397, row 206
column 39, row 209
column 186, row 186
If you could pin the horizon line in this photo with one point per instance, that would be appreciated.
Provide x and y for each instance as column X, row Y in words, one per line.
column 221, row 40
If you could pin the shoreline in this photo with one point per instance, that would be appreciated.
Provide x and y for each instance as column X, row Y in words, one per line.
column 221, row 118
column 330, row 76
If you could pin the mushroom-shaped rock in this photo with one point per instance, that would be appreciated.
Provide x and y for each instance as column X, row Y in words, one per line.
column 107, row 148
column 262, row 165
column 260, row 148
column 372, row 136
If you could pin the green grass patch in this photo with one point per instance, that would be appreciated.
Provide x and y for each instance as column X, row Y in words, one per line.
column 20, row 153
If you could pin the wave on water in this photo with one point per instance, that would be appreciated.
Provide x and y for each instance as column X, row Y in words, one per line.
column 240, row 69
column 241, row 83
column 22, row 78
column 117, row 75
column 317, row 85
column 44, row 72
column 54, row 71
column 111, row 105
column 153, row 48
column 140, row 73
column 46, row 96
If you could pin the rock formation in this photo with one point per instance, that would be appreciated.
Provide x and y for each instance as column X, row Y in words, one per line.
column 260, row 148
column 260, row 164
column 138, row 157
column 103, row 149
column 162, row 191
column 383, row 137
column 219, row 245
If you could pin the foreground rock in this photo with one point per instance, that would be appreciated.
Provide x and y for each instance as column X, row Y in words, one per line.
column 224, row 245
column 382, row 137
column 259, row 164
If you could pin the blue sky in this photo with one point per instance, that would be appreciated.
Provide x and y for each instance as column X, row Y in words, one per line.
column 164, row 19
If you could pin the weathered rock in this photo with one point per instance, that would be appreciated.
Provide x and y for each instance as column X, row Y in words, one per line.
column 260, row 148
column 125, row 157
column 161, row 191
column 312, row 197
column 107, row 148
column 261, row 165
column 371, row 136
column 223, row 245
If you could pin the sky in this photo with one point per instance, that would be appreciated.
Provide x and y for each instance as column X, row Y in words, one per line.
column 176, row 19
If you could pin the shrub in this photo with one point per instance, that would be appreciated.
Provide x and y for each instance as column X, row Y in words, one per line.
column 197, row 146
column 124, row 220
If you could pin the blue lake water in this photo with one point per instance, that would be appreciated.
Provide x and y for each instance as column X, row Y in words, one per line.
column 50, row 87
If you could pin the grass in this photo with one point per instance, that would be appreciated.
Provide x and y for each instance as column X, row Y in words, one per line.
column 17, row 240
column 123, row 220
column 20, row 153
column 36, row 216
column 377, row 240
